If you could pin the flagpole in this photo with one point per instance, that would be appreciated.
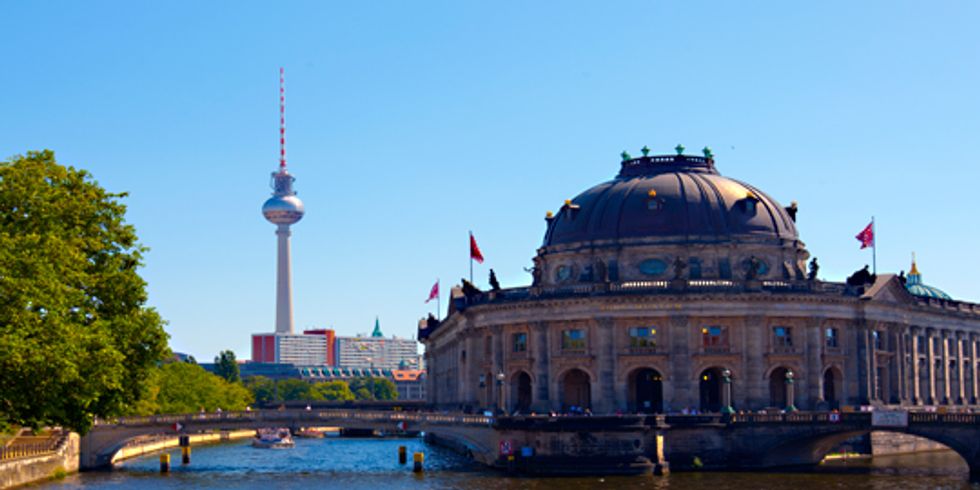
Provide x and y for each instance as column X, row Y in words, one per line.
column 438, row 301
column 471, row 255
column 874, row 247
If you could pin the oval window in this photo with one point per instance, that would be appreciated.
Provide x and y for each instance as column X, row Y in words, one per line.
column 563, row 273
column 653, row 267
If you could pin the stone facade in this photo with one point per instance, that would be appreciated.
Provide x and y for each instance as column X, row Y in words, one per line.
column 890, row 348
column 640, row 307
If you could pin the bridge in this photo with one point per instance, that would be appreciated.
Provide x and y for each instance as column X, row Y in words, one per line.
column 626, row 444
column 108, row 436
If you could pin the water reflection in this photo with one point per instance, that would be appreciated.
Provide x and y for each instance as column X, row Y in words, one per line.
column 355, row 464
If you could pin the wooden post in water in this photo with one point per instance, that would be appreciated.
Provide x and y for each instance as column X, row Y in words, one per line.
column 418, row 458
column 402, row 455
column 165, row 463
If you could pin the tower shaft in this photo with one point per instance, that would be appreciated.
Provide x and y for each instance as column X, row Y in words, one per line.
column 284, row 291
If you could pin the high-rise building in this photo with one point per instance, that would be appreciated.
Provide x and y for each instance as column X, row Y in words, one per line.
column 377, row 351
column 301, row 350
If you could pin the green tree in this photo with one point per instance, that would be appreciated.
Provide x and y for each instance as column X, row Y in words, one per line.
column 262, row 388
column 181, row 387
column 227, row 367
column 333, row 391
column 76, row 337
column 374, row 389
column 294, row 389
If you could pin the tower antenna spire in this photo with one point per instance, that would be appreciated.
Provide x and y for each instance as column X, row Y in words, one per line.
column 282, row 118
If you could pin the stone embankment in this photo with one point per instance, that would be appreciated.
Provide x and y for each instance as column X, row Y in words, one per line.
column 29, row 466
column 35, row 466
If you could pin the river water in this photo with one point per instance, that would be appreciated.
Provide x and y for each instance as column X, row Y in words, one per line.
column 356, row 464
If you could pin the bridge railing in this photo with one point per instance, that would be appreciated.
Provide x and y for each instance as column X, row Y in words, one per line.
column 298, row 415
column 36, row 446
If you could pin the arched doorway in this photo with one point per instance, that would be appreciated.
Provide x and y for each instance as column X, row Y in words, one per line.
column 520, row 385
column 832, row 382
column 576, row 389
column 646, row 391
column 777, row 388
column 711, row 385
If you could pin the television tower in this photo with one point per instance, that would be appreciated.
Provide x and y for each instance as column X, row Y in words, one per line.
column 283, row 209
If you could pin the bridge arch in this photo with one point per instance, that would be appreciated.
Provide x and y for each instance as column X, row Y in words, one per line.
column 807, row 446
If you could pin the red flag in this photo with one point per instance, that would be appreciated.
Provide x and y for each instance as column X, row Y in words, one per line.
column 434, row 293
column 475, row 250
column 867, row 236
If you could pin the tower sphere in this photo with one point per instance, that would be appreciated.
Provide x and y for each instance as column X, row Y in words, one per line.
column 283, row 210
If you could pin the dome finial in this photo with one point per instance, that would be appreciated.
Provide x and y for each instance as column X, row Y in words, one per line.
column 679, row 149
column 915, row 269
column 645, row 150
column 626, row 156
column 707, row 152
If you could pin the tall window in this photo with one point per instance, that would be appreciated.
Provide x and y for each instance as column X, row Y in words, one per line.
column 782, row 337
column 876, row 340
column 922, row 344
column 487, row 346
column 520, row 342
column 831, row 339
column 714, row 337
column 573, row 339
column 643, row 337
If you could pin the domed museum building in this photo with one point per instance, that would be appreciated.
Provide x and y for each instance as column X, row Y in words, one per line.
column 672, row 287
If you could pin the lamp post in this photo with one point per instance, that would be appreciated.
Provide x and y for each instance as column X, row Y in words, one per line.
column 726, row 392
column 483, row 391
column 790, row 407
column 500, row 390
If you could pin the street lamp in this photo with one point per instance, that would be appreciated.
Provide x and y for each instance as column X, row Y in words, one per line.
column 726, row 394
column 790, row 407
column 500, row 390
column 483, row 391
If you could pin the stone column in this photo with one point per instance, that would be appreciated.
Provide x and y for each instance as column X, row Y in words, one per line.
column 944, row 372
column 973, row 367
column 470, row 376
column 751, row 387
column 960, row 381
column 681, row 377
column 865, row 365
column 916, row 388
column 931, row 364
column 813, row 394
column 539, row 345
column 497, row 332
column 604, row 398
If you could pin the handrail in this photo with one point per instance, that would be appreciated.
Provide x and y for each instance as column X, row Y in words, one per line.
column 294, row 414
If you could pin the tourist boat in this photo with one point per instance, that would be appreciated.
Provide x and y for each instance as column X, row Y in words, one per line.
column 273, row 439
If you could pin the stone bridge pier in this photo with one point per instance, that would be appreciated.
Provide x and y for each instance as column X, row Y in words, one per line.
column 801, row 441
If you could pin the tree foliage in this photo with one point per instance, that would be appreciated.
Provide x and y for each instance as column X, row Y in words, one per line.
column 76, row 337
column 227, row 367
column 262, row 388
column 182, row 387
column 333, row 391
column 374, row 389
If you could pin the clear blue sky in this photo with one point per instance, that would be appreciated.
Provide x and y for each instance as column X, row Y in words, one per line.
column 413, row 122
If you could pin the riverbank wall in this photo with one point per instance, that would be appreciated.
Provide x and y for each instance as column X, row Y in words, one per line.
column 156, row 444
column 29, row 469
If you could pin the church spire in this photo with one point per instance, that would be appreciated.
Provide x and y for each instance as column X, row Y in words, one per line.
column 377, row 328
